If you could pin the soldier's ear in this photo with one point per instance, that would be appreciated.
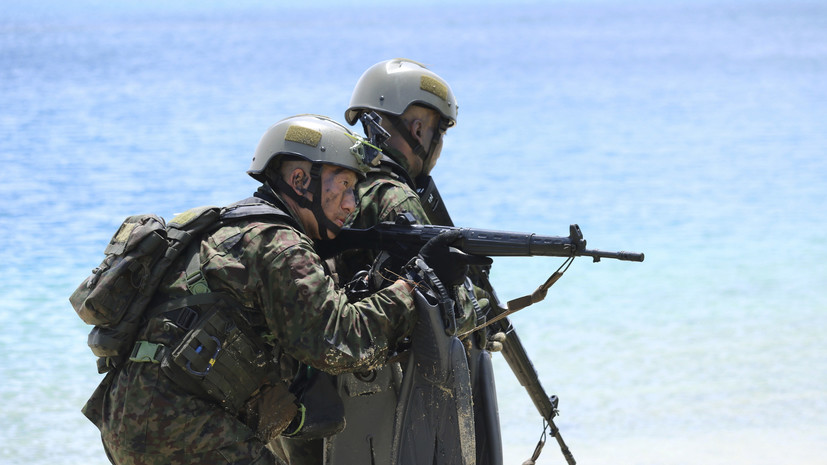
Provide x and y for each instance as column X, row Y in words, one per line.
column 416, row 129
column 299, row 181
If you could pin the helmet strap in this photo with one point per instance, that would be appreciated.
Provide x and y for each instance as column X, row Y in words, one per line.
column 405, row 132
column 414, row 144
column 315, row 205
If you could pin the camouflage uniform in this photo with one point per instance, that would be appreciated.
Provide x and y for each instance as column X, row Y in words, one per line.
column 271, row 268
column 383, row 196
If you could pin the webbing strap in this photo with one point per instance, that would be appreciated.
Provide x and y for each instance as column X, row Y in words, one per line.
column 520, row 303
column 392, row 167
column 179, row 235
column 203, row 355
column 537, row 296
column 196, row 282
column 405, row 132
column 186, row 301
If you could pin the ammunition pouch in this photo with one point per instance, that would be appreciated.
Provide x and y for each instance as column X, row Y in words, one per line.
column 222, row 359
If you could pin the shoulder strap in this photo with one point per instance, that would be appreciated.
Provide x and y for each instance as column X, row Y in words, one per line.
column 253, row 206
column 432, row 202
column 196, row 222
column 249, row 207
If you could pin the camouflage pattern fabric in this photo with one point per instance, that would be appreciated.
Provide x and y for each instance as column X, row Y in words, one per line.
column 381, row 198
column 272, row 268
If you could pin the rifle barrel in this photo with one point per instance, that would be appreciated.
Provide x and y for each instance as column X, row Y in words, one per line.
column 490, row 243
column 625, row 256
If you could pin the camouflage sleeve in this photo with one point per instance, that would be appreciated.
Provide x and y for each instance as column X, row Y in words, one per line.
column 310, row 317
column 382, row 199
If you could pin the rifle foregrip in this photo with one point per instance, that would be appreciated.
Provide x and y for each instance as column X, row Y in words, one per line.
column 513, row 244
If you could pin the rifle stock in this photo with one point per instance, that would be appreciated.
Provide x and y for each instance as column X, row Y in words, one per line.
column 516, row 356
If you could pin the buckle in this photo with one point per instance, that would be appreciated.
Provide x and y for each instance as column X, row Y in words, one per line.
column 186, row 318
column 197, row 283
column 147, row 352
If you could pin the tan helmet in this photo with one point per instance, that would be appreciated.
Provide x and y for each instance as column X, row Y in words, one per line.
column 393, row 85
column 317, row 139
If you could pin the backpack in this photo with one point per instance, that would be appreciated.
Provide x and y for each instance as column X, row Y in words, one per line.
column 114, row 298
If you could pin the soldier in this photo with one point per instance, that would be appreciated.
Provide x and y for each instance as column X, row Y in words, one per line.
column 416, row 107
column 267, row 284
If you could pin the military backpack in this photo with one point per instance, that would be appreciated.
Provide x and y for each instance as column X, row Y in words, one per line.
column 114, row 298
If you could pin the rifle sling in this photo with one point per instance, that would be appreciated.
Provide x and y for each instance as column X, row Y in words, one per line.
column 520, row 303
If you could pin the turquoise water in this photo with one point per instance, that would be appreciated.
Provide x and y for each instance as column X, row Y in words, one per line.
column 693, row 132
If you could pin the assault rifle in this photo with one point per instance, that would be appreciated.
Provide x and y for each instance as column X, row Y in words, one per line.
column 403, row 239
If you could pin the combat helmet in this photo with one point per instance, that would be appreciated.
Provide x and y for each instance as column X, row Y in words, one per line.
column 321, row 141
column 317, row 139
column 391, row 86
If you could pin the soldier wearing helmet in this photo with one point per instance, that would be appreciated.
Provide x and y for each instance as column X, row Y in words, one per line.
column 256, row 272
column 416, row 107
column 307, row 159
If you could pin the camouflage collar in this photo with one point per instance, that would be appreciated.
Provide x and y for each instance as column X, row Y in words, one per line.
column 396, row 163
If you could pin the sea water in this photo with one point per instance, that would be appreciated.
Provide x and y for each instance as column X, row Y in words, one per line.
column 691, row 131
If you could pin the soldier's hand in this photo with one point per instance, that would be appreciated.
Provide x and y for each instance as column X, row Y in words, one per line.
column 437, row 254
column 449, row 264
column 495, row 342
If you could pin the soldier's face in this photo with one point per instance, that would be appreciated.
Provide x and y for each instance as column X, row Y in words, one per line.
column 338, row 195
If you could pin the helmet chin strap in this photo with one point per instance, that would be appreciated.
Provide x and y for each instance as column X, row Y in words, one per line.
column 414, row 144
column 315, row 206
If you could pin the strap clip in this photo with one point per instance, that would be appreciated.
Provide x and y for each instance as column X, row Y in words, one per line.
column 147, row 352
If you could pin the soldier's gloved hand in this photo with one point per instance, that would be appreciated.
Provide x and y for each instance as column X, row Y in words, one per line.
column 495, row 342
column 449, row 264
